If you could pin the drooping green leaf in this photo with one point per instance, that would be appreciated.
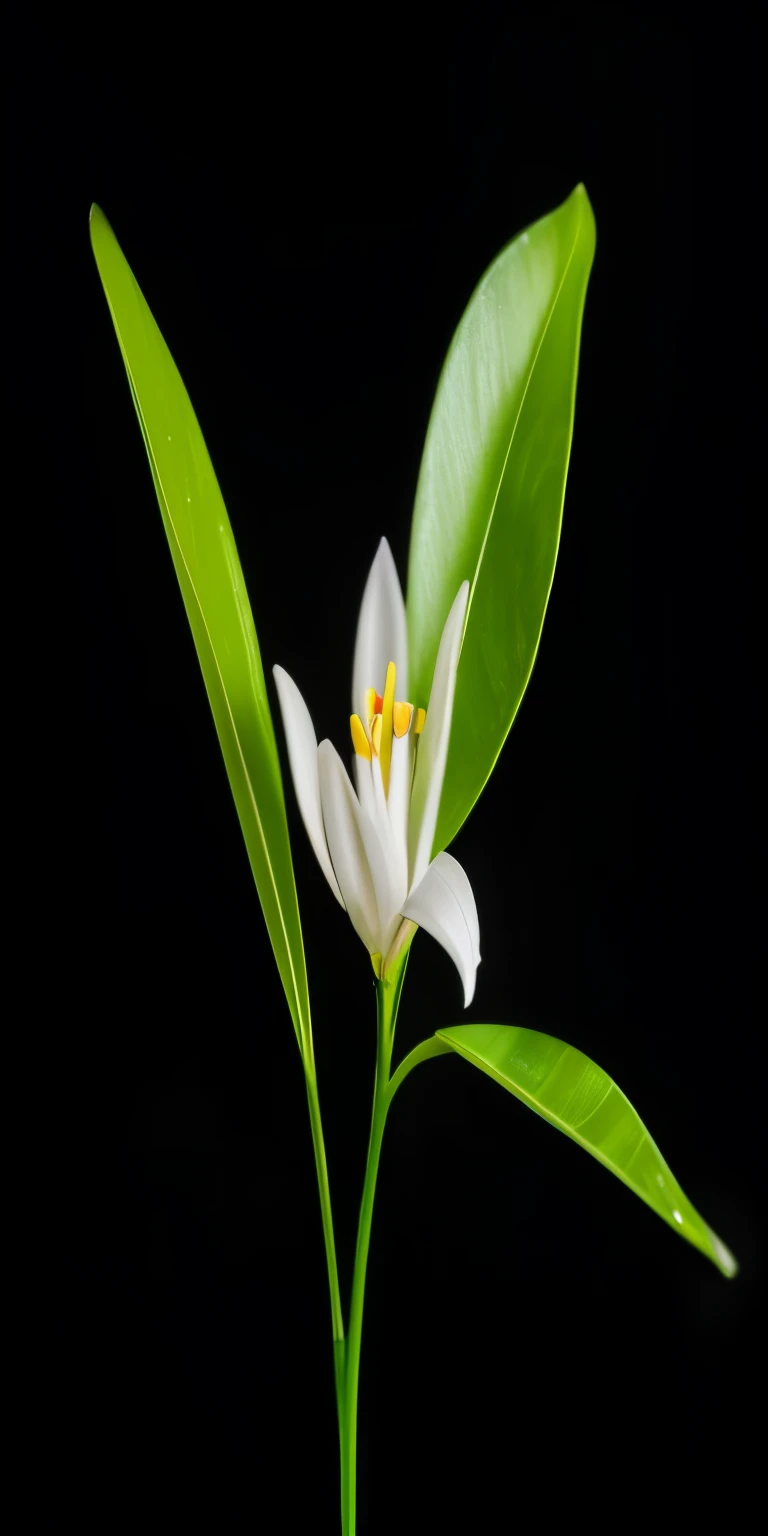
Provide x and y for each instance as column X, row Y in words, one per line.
column 573, row 1094
column 212, row 586
column 489, row 500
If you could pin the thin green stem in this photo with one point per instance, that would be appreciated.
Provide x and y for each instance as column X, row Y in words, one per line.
column 358, row 1283
column 387, row 1001
column 315, row 1120
column 346, row 1351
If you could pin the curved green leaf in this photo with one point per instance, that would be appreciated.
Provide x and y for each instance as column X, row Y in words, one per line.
column 212, row 586
column 573, row 1094
column 489, row 500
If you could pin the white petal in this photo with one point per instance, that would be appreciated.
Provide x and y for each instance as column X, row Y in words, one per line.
column 364, row 785
column 455, row 877
column 381, row 632
column 342, row 817
column 390, row 878
column 432, row 749
column 444, row 905
column 390, row 873
column 302, row 756
column 399, row 801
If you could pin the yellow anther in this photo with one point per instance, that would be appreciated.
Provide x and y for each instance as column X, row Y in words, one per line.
column 372, row 704
column 360, row 741
column 376, row 734
column 387, row 708
column 401, row 719
column 418, row 724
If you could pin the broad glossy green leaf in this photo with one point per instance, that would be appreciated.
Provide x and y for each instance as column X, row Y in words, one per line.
column 212, row 586
column 573, row 1094
column 489, row 500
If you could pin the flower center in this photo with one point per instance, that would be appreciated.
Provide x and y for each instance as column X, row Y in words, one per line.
column 387, row 720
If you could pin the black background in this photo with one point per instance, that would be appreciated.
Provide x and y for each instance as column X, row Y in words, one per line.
column 307, row 211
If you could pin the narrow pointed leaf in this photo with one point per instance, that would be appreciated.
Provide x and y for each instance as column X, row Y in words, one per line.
column 489, row 500
column 211, row 580
column 573, row 1094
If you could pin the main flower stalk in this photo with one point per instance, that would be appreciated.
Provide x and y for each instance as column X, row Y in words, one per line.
column 388, row 991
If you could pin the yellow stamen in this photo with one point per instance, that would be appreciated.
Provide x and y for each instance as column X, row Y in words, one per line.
column 387, row 708
column 372, row 704
column 360, row 741
column 376, row 734
column 418, row 724
column 401, row 719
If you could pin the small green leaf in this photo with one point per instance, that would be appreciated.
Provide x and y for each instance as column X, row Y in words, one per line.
column 212, row 586
column 573, row 1094
column 489, row 500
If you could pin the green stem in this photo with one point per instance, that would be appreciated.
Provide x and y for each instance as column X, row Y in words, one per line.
column 315, row 1120
column 387, row 1001
column 337, row 1316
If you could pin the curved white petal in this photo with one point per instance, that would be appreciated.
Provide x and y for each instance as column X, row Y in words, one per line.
column 432, row 750
column 457, row 880
column 302, row 756
column 381, row 632
column 342, row 820
column 445, row 906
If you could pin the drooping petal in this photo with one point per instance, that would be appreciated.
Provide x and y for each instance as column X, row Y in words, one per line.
column 456, row 878
column 342, row 820
column 302, row 756
column 443, row 903
column 433, row 741
column 381, row 632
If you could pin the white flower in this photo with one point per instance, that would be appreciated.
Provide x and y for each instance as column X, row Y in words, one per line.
column 374, row 846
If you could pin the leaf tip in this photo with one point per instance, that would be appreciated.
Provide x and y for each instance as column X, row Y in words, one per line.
column 98, row 226
column 580, row 196
column 579, row 199
column 723, row 1257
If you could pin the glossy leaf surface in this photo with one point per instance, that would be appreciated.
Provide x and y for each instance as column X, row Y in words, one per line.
column 490, row 494
column 211, row 580
column 573, row 1094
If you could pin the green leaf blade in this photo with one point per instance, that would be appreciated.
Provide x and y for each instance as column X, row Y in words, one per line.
column 213, row 589
column 576, row 1096
column 491, row 486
